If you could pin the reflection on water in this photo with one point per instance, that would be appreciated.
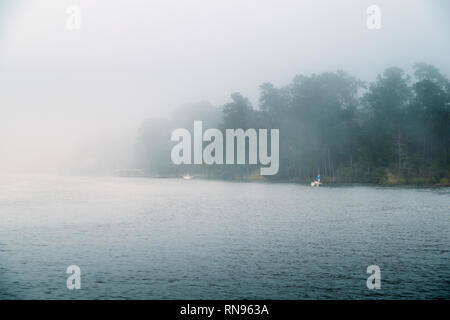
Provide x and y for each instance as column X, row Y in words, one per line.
column 177, row 239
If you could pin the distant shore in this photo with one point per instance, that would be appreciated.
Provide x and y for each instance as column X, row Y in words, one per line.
column 326, row 181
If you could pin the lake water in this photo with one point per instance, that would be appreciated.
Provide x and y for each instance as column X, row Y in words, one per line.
column 175, row 239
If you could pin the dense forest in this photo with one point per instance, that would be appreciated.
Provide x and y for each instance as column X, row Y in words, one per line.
column 395, row 130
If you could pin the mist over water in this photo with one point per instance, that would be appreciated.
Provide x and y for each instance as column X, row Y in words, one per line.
column 86, row 176
column 133, row 60
column 171, row 239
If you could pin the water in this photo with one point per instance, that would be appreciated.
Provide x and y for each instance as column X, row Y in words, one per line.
column 174, row 239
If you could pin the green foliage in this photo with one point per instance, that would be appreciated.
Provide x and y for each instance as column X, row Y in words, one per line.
column 396, row 130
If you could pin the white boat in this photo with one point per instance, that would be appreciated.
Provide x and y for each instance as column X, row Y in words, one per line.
column 188, row 177
column 315, row 183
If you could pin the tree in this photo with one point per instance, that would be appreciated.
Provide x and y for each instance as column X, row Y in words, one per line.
column 387, row 102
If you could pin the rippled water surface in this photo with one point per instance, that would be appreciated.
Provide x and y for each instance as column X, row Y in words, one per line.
column 174, row 239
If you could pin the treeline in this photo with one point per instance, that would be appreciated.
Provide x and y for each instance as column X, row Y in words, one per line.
column 394, row 130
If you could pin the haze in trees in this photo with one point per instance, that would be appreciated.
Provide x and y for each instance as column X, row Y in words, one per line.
column 394, row 130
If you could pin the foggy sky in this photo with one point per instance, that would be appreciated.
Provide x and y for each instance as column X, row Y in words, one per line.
column 134, row 59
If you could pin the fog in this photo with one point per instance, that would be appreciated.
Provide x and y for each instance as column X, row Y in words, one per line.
column 66, row 95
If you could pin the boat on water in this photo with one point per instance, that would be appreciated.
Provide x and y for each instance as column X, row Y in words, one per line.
column 316, row 182
column 188, row 177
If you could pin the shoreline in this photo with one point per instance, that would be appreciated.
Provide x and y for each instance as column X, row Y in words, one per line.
column 261, row 179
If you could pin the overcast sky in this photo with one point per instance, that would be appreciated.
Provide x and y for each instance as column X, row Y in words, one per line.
column 134, row 59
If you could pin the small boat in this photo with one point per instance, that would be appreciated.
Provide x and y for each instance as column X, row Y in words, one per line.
column 188, row 177
column 315, row 183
